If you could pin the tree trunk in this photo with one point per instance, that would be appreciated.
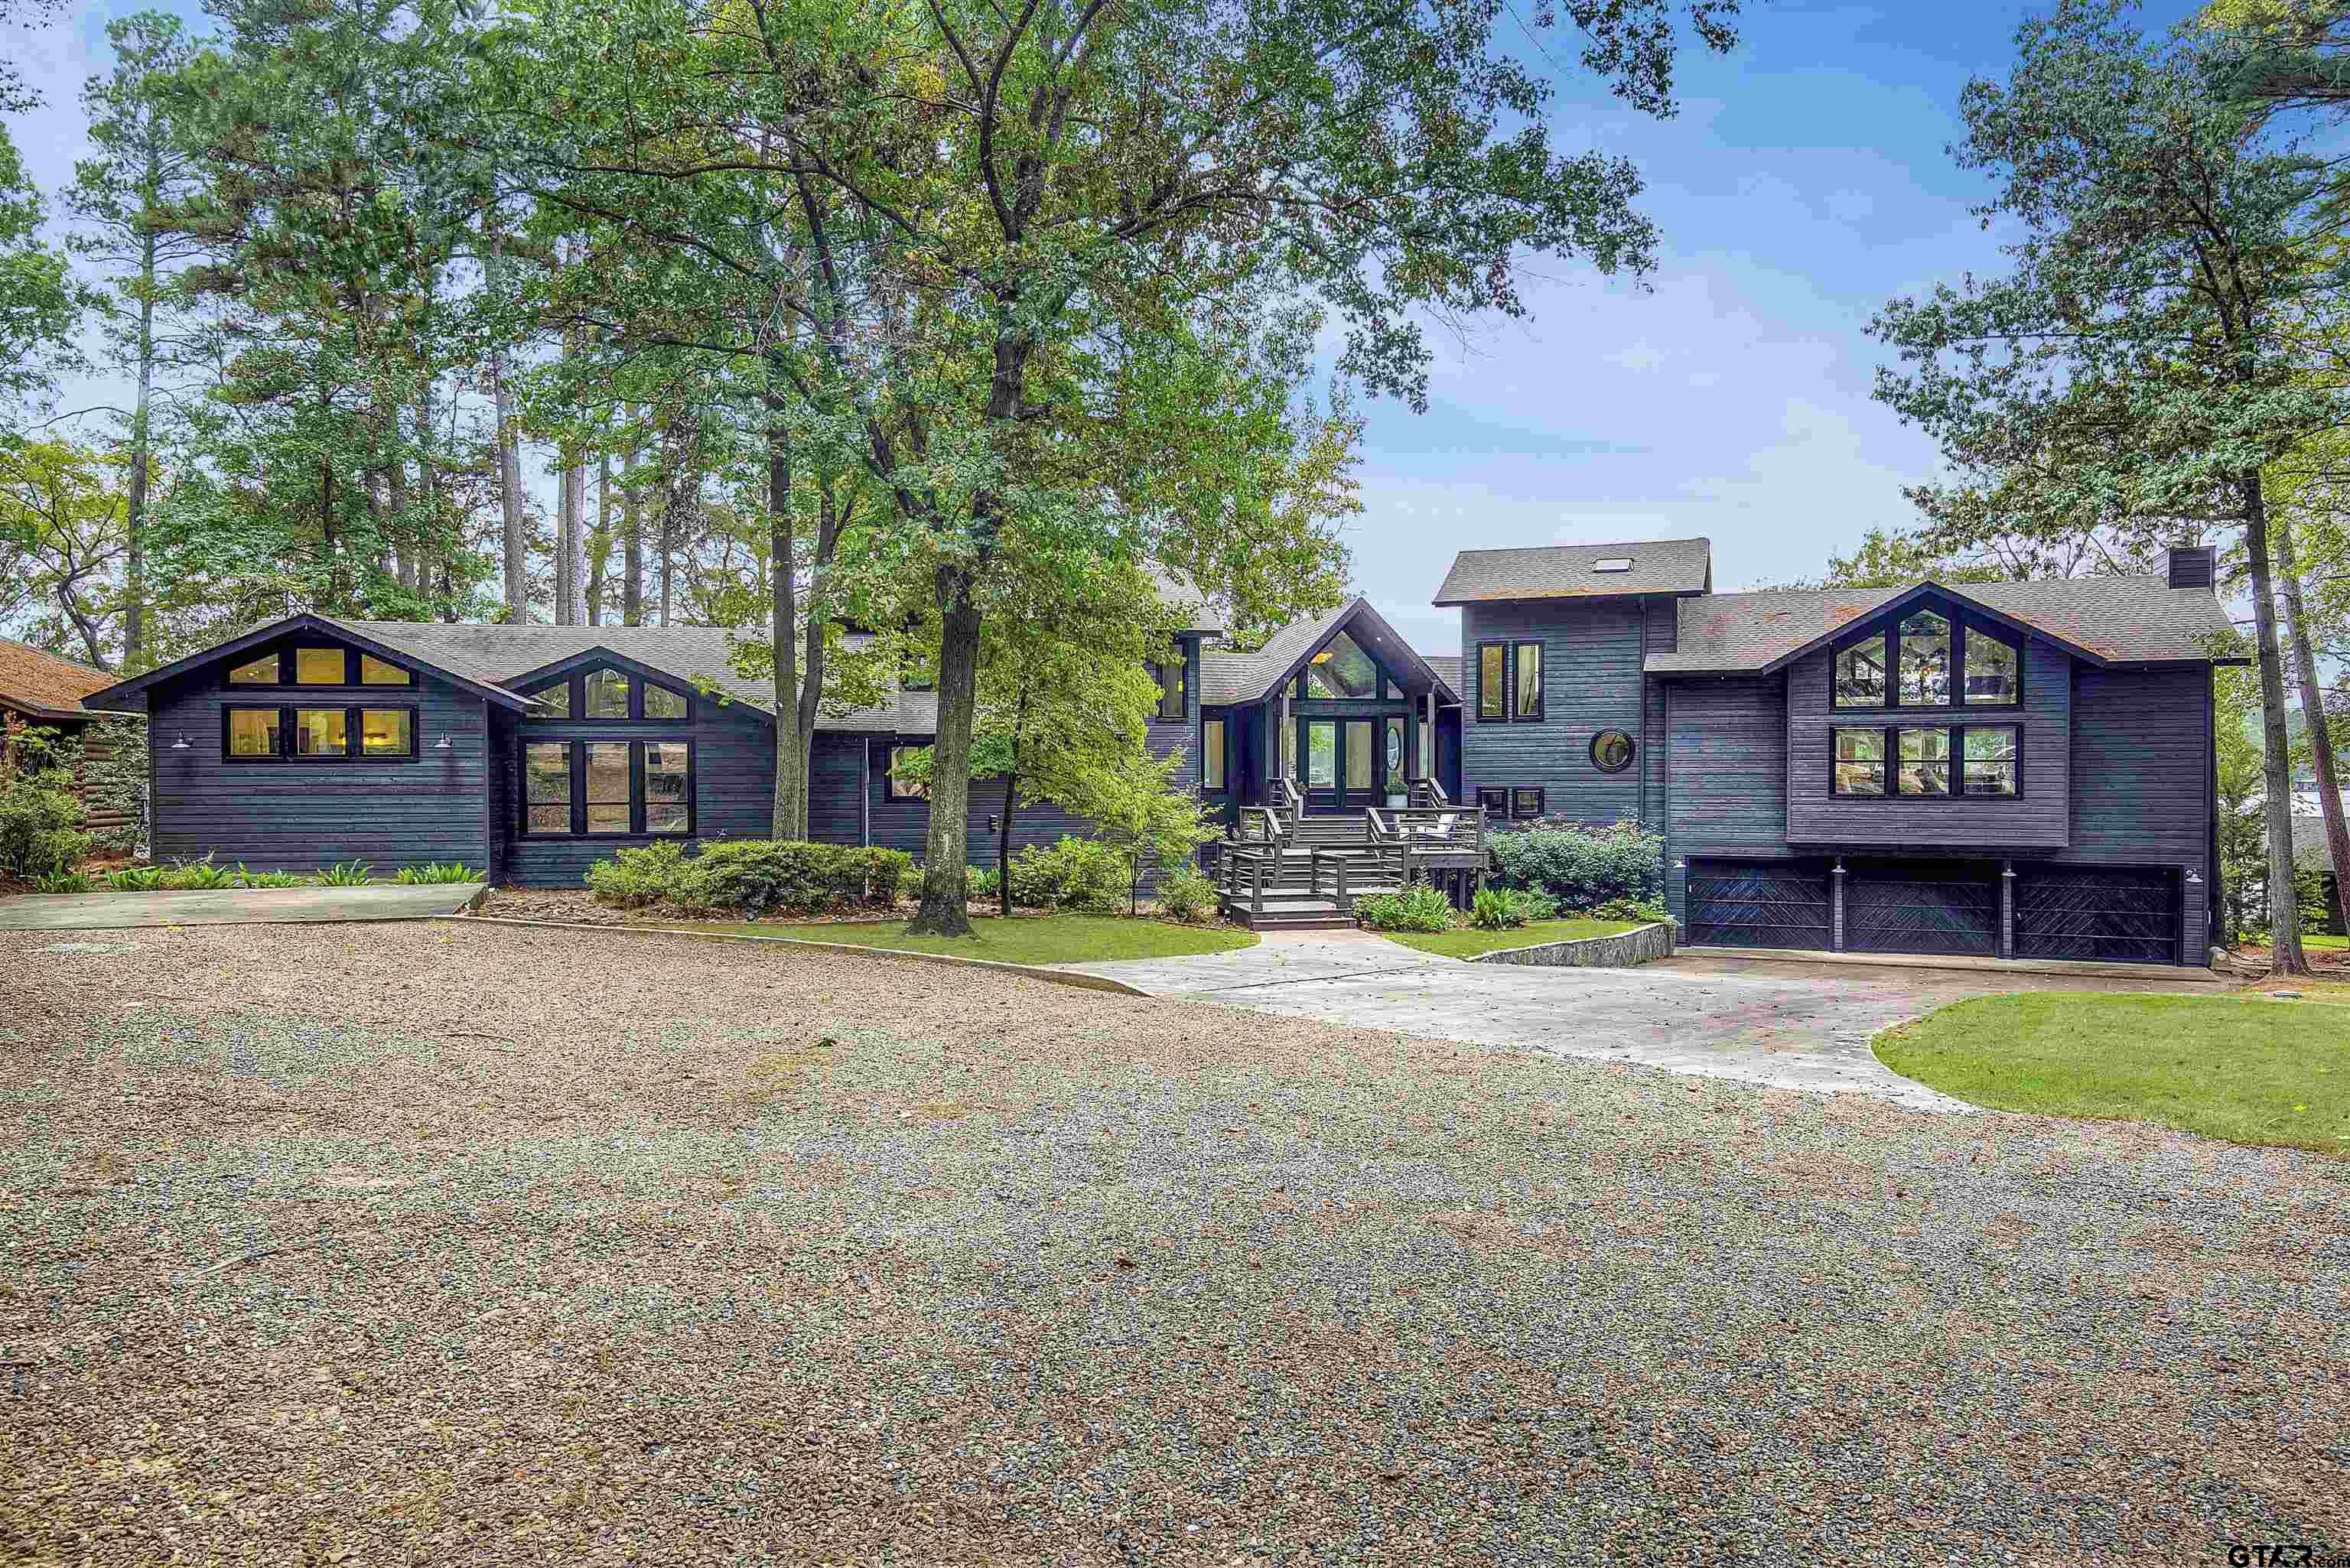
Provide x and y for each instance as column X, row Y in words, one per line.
column 943, row 912
column 518, row 567
column 600, row 540
column 633, row 546
column 134, row 517
column 431, row 550
column 782, row 628
column 1003, row 834
column 2284, row 915
column 829, row 523
column 2313, row 719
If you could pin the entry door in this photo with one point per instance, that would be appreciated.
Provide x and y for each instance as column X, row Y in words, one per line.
column 1317, row 762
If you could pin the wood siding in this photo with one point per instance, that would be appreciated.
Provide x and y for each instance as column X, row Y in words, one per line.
column 298, row 816
column 2035, row 819
column 2142, row 781
column 1591, row 681
column 1726, row 775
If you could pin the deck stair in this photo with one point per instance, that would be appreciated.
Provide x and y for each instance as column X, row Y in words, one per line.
column 1286, row 869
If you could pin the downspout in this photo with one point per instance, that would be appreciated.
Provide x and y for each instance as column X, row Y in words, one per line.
column 1644, row 706
column 864, row 792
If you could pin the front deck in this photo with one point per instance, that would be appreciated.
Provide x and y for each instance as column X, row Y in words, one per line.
column 1286, row 869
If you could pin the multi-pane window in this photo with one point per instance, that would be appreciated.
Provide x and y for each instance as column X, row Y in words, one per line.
column 1925, row 661
column 1928, row 659
column 669, row 786
column 1341, row 668
column 318, row 666
column 896, row 784
column 1860, row 674
column 1921, row 762
column 1211, row 754
column 1990, row 761
column 1993, row 666
column 318, row 734
column 1859, row 762
column 1924, row 762
column 1492, row 680
column 606, row 692
column 606, row 787
column 321, row 667
column 1509, row 681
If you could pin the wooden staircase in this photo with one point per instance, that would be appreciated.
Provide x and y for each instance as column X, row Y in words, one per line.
column 1284, row 871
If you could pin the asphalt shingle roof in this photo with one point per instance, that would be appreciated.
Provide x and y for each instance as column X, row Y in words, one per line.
column 43, row 685
column 2123, row 620
column 1565, row 571
column 499, row 654
column 2309, row 852
column 1226, row 677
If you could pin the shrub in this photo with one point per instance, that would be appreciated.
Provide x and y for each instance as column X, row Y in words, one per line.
column 246, row 879
column 1507, row 909
column 40, row 825
column 1419, row 907
column 436, row 871
column 1645, row 910
column 983, row 884
column 114, row 781
column 907, row 888
column 138, row 879
column 1583, row 867
column 1186, row 893
column 756, row 876
column 62, row 882
column 639, row 875
column 345, row 874
column 1075, row 874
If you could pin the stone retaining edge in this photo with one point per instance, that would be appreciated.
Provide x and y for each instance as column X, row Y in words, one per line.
column 1625, row 950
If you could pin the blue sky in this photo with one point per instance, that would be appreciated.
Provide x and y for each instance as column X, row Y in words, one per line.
column 1804, row 181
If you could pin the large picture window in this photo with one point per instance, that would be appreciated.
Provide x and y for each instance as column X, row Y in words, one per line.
column 1509, row 681
column 1928, row 659
column 318, row 734
column 606, row 695
column 1927, row 761
column 316, row 664
column 607, row 789
column 1342, row 669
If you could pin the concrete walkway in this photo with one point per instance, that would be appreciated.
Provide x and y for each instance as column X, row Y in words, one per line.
column 1789, row 1025
column 233, row 907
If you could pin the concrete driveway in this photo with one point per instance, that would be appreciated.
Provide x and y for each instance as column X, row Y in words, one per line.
column 235, row 907
column 1786, row 1025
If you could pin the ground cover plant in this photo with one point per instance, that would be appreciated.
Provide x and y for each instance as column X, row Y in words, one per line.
column 1026, row 939
column 2245, row 1068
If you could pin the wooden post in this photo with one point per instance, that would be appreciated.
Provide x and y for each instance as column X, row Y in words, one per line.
column 2007, row 908
column 1836, row 905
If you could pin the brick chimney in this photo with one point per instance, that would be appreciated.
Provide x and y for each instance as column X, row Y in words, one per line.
column 2193, row 566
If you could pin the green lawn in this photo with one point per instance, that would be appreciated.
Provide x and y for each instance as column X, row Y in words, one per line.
column 2332, row 944
column 1039, row 939
column 2249, row 1071
column 1468, row 941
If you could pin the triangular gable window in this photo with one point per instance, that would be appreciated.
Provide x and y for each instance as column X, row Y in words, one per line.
column 1340, row 668
column 1929, row 654
column 606, row 695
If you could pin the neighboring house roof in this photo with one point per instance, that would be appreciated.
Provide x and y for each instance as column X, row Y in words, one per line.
column 1572, row 571
column 2309, row 851
column 1179, row 595
column 2107, row 620
column 42, row 685
column 1447, row 666
column 1228, row 678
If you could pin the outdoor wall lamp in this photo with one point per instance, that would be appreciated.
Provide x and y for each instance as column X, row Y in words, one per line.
column 2192, row 879
column 445, row 745
column 182, row 744
column 1680, row 864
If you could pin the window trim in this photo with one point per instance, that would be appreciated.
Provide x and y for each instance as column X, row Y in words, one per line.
column 1509, row 713
column 574, row 687
column 1964, row 624
column 1215, row 768
column 1501, row 714
column 889, row 791
column 1178, row 690
column 575, row 769
column 1889, row 738
column 1517, row 803
column 1541, row 679
column 352, row 728
column 285, row 653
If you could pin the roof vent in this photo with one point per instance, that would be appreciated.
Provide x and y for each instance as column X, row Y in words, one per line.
column 1612, row 564
column 2192, row 566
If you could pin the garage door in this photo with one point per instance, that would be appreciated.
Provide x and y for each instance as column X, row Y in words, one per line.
column 1758, row 904
column 1921, row 907
column 2096, row 912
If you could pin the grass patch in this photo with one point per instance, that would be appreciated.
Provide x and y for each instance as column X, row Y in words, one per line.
column 2249, row 1071
column 1467, row 941
column 2325, row 943
column 1037, row 938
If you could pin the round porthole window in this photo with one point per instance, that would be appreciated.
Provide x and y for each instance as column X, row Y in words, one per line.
column 1611, row 750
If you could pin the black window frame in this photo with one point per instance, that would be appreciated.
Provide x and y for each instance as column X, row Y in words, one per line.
column 1520, row 810
column 575, row 770
column 1541, row 679
column 1214, row 738
column 1964, row 624
column 284, row 652
column 1631, row 753
column 890, row 793
column 1887, row 766
column 573, row 686
column 352, row 731
column 1493, row 800
column 1509, row 712
column 1174, row 686
column 1501, row 714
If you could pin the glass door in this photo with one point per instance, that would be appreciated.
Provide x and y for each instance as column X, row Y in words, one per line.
column 1321, row 749
column 1359, row 761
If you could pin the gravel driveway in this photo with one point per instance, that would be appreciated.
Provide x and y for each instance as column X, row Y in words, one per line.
column 447, row 1243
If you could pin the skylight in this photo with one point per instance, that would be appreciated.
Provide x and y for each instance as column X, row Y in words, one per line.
column 1613, row 564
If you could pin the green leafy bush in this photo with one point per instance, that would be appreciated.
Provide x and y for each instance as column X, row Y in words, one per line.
column 138, row 879
column 1419, row 907
column 40, row 825
column 1186, row 893
column 346, row 874
column 1507, row 909
column 985, row 884
column 753, row 875
column 1646, row 910
column 1583, row 867
column 62, row 882
column 1075, row 874
column 114, row 781
column 436, row 871
column 246, row 879
column 909, row 882
column 198, row 875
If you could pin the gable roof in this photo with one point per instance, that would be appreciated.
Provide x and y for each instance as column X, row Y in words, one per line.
column 1568, row 571
column 43, row 685
column 1228, row 678
column 2103, row 621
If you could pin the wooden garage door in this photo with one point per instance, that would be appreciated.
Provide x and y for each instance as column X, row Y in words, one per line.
column 1758, row 904
column 1921, row 907
column 2105, row 913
